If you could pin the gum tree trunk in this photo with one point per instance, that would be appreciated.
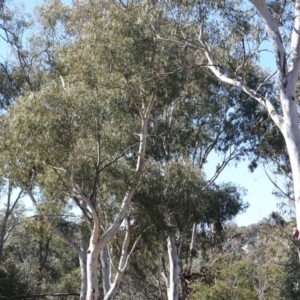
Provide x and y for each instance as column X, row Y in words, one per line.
column 83, row 276
column 172, row 283
column 105, row 270
column 92, row 273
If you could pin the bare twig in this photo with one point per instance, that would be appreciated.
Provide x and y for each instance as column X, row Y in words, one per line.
column 118, row 157
column 277, row 186
column 264, row 82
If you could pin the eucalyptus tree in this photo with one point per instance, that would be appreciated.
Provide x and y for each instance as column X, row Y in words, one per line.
column 174, row 198
column 69, row 135
column 94, row 90
column 205, row 118
column 230, row 34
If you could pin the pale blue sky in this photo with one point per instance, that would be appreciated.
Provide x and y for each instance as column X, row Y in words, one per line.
column 259, row 196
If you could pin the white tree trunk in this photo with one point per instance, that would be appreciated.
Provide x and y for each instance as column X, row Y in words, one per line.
column 288, row 82
column 173, row 252
column 81, row 252
column 114, row 287
column 83, row 276
column 105, row 270
column 99, row 243
column 123, row 263
column 92, row 272
column 292, row 139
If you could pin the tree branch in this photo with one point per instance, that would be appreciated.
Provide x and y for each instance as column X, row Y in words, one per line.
column 110, row 232
column 278, row 187
column 273, row 33
column 240, row 83
column 294, row 59
column 67, row 240
column 265, row 81
column 117, row 157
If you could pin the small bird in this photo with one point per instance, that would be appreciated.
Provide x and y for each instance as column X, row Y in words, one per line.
column 295, row 233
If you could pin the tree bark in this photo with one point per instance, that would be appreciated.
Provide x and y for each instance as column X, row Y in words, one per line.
column 174, row 247
column 83, row 276
column 105, row 270
column 292, row 139
column 288, row 82
column 114, row 287
column 123, row 263
column 92, row 272
column 81, row 252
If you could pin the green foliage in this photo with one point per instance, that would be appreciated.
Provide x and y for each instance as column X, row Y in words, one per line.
column 291, row 288
column 266, row 271
column 10, row 280
column 36, row 263
column 79, row 94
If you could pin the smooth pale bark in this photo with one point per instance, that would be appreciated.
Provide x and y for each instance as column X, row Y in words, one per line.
column 288, row 83
column 93, row 254
column 105, row 270
column 123, row 262
column 97, row 242
column 81, row 252
column 83, row 276
column 114, row 286
column 172, row 283
column 92, row 273
column 288, row 69
column 292, row 139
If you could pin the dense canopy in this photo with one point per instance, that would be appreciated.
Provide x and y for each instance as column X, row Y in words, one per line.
column 109, row 112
